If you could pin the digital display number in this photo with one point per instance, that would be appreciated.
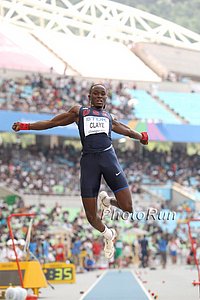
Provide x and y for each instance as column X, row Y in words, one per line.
column 59, row 274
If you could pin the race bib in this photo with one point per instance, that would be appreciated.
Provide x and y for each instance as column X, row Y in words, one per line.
column 95, row 124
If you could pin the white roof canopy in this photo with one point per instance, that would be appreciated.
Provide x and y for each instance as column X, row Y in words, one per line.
column 19, row 50
column 97, row 18
column 98, row 58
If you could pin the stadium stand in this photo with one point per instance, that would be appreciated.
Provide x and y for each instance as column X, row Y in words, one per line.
column 147, row 108
column 186, row 104
column 37, row 93
column 22, row 98
column 44, row 169
column 51, row 171
column 14, row 57
column 93, row 58
column 19, row 50
column 37, row 51
column 172, row 63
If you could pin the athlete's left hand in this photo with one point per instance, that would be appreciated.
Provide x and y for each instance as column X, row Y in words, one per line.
column 145, row 139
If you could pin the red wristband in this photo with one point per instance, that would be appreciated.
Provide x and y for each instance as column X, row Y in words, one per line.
column 144, row 136
column 24, row 126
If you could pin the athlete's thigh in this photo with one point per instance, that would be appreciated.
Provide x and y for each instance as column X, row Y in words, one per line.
column 90, row 176
column 112, row 171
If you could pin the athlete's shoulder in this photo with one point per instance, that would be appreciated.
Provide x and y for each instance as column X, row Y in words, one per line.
column 75, row 109
column 84, row 110
column 105, row 113
column 113, row 117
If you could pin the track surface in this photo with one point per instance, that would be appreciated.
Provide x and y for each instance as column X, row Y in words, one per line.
column 173, row 283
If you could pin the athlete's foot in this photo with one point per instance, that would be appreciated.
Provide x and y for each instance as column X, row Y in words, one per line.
column 109, row 248
column 104, row 201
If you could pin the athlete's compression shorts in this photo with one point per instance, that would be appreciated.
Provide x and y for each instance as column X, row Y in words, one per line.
column 94, row 165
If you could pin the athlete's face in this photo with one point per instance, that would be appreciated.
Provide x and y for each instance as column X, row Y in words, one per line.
column 98, row 96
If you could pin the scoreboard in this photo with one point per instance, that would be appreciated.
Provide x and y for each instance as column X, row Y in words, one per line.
column 58, row 272
column 35, row 275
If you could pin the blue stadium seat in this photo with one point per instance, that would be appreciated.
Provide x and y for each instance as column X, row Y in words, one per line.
column 186, row 104
column 149, row 109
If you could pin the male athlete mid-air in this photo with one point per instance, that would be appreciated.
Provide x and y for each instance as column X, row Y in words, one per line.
column 98, row 157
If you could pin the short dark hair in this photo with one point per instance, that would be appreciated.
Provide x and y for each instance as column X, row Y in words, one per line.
column 90, row 90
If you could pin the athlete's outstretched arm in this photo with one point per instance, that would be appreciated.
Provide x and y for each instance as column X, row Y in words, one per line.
column 123, row 129
column 63, row 119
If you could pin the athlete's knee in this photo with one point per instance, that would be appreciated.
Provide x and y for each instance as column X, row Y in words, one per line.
column 124, row 200
column 130, row 209
column 127, row 207
column 125, row 203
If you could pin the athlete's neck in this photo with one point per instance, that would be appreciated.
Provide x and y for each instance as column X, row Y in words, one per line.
column 98, row 108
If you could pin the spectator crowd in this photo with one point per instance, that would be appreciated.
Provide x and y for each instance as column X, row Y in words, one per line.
column 33, row 170
column 56, row 236
column 35, row 93
column 55, row 171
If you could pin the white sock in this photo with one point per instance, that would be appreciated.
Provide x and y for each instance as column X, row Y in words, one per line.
column 107, row 233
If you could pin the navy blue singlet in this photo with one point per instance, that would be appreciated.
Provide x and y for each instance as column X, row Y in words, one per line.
column 95, row 127
column 98, row 156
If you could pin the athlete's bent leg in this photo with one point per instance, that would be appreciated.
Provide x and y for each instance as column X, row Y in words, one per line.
column 90, row 206
column 124, row 200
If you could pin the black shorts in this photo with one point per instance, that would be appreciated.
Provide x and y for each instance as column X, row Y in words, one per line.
column 93, row 166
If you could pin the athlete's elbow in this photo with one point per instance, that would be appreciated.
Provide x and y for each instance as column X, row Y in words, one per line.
column 52, row 124
column 47, row 125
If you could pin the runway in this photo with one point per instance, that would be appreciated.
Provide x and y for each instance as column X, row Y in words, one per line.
column 118, row 284
column 174, row 282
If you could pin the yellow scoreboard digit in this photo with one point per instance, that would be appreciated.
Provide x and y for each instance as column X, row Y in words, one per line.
column 57, row 272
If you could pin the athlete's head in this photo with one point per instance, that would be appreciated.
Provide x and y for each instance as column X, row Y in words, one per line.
column 97, row 95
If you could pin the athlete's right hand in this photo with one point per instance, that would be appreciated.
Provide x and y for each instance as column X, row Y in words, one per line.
column 145, row 139
column 16, row 126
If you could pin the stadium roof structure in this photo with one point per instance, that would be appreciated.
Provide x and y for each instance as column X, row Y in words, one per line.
column 21, row 51
column 165, row 59
column 47, row 51
column 97, row 19
column 96, row 58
